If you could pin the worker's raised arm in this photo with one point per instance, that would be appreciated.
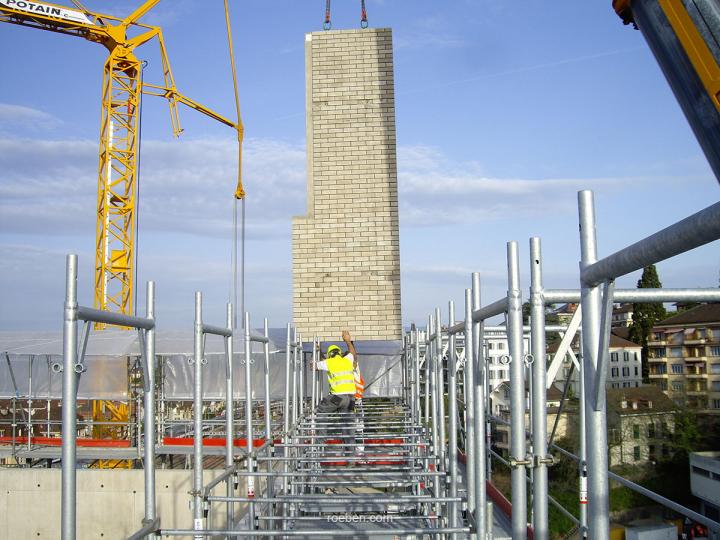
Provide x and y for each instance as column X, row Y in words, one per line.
column 350, row 345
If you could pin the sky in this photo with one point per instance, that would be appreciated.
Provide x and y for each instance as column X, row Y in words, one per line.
column 505, row 110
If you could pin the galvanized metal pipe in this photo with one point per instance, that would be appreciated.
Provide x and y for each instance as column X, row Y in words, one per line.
column 694, row 231
column 198, row 518
column 477, row 365
column 69, row 393
column 452, row 413
column 229, row 413
column 441, row 388
column 116, row 319
column 596, row 421
column 248, row 422
column 469, row 385
column 539, row 396
column 149, row 408
column 517, row 394
column 638, row 296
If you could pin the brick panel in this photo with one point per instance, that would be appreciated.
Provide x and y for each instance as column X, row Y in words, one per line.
column 346, row 253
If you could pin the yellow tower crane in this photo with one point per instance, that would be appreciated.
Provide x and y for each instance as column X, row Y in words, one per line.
column 117, row 164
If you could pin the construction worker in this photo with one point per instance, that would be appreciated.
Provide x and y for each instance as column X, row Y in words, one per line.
column 341, row 381
column 341, row 377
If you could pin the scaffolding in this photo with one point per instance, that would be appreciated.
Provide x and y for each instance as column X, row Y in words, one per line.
column 414, row 464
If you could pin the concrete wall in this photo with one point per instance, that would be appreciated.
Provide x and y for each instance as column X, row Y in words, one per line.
column 110, row 503
column 346, row 255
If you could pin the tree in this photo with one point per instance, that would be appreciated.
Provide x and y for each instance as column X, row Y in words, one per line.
column 645, row 316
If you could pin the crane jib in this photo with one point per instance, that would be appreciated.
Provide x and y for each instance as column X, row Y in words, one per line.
column 48, row 10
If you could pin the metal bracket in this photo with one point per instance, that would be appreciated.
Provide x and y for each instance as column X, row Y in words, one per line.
column 548, row 460
column 505, row 359
column 527, row 462
column 529, row 359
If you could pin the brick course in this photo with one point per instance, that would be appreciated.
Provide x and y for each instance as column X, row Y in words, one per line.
column 346, row 255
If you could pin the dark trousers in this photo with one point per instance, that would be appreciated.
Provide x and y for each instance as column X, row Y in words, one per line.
column 344, row 404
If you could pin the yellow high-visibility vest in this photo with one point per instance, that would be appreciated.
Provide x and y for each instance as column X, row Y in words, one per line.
column 340, row 375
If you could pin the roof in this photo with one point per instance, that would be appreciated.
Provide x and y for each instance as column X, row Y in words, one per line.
column 616, row 342
column 624, row 308
column 704, row 313
column 642, row 394
column 621, row 331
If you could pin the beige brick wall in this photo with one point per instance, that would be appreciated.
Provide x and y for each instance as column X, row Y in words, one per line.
column 346, row 254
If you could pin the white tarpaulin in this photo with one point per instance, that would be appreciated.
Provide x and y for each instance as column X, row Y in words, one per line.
column 110, row 352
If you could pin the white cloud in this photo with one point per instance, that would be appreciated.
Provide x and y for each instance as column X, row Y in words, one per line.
column 185, row 186
column 436, row 190
column 14, row 116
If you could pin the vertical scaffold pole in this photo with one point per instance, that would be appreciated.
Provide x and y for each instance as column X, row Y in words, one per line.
column 268, row 418
column 286, row 411
column 478, row 367
column 470, row 454
column 229, row 412
column 427, row 374
column 431, row 344
column 298, row 347
column 452, row 414
column 595, row 420
column 582, row 466
column 149, row 405
column 199, row 521
column 441, row 389
column 69, row 392
column 417, row 376
column 249, row 422
column 539, row 399
column 517, row 395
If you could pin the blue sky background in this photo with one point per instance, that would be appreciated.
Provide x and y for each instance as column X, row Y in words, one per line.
column 504, row 111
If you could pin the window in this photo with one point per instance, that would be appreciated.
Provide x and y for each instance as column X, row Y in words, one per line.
column 663, row 385
column 490, row 346
column 626, row 372
column 626, row 356
column 626, row 385
column 716, row 403
column 501, row 345
column 677, row 369
column 613, row 357
column 636, row 371
column 636, row 431
column 658, row 336
column 658, row 352
column 715, row 386
column 637, row 358
column 614, row 372
column 715, row 369
column 636, row 453
column 615, row 385
column 677, row 387
column 661, row 369
column 651, row 430
column 714, row 351
column 676, row 352
column 664, row 428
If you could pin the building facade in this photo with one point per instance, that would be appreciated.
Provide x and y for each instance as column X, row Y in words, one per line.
column 641, row 422
column 346, row 252
column 684, row 357
column 624, row 367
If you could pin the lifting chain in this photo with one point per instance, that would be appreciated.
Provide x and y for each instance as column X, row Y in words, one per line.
column 327, row 24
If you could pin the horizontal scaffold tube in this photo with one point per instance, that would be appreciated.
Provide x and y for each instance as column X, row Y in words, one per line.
column 117, row 319
column 638, row 296
column 692, row 232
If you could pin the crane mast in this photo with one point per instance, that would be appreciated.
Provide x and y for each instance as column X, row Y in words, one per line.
column 118, row 153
